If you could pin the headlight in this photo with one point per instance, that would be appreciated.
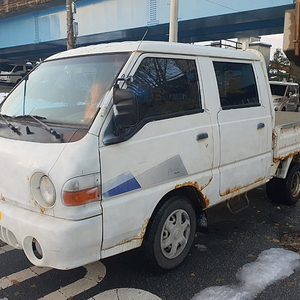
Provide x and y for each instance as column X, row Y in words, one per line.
column 43, row 190
column 47, row 191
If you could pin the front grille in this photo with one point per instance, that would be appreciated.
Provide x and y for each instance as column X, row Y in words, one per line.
column 8, row 237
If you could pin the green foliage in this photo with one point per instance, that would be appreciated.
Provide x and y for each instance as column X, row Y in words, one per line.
column 280, row 68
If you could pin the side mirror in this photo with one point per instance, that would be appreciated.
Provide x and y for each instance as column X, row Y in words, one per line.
column 125, row 108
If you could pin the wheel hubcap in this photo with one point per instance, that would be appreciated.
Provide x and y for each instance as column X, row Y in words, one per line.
column 295, row 190
column 175, row 233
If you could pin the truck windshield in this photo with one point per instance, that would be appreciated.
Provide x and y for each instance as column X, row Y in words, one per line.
column 278, row 89
column 66, row 91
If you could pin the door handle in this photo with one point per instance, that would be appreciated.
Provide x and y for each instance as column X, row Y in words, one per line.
column 260, row 125
column 202, row 136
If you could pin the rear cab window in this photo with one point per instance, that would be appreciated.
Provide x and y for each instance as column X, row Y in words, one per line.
column 237, row 85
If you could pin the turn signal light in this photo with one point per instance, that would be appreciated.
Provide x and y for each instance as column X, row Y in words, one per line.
column 74, row 198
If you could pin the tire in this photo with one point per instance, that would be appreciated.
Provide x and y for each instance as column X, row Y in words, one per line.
column 285, row 191
column 170, row 234
column 291, row 193
column 274, row 189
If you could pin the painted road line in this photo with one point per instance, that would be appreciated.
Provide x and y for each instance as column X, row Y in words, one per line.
column 95, row 273
column 21, row 276
column 6, row 248
column 125, row 294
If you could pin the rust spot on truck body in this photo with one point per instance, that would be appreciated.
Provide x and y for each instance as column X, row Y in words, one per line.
column 237, row 188
column 136, row 238
column 281, row 158
column 188, row 183
column 203, row 199
column 42, row 209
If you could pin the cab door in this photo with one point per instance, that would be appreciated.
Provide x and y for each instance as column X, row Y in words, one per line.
column 244, row 128
column 170, row 146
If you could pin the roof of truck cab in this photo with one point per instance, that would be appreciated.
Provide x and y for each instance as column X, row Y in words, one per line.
column 159, row 47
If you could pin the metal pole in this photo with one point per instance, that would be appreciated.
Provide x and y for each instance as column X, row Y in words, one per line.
column 70, row 30
column 173, row 29
column 297, row 27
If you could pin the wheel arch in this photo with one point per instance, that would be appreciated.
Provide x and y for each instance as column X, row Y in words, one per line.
column 285, row 190
column 198, row 201
column 152, row 245
column 286, row 164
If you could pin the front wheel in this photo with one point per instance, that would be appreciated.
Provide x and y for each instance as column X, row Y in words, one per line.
column 170, row 235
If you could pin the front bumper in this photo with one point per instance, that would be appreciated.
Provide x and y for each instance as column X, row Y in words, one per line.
column 5, row 79
column 64, row 244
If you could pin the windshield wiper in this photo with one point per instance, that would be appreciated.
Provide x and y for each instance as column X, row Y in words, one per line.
column 11, row 126
column 49, row 129
column 45, row 126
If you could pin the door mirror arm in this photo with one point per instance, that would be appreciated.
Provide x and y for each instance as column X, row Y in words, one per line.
column 127, row 79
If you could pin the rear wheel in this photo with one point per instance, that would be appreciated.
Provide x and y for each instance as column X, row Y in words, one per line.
column 170, row 234
column 274, row 189
column 285, row 191
column 292, row 186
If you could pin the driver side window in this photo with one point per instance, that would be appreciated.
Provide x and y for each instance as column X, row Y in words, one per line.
column 166, row 87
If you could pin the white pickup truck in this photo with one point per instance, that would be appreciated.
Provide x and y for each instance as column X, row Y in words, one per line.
column 111, row 147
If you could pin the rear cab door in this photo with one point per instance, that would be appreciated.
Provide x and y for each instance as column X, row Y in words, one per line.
column 245, row 125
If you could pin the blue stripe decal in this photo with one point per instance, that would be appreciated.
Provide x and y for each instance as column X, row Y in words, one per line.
column 122, row 184
column 167, row 170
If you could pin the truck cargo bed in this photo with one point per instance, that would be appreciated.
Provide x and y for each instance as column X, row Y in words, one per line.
column 286, row 118
column 286, row 139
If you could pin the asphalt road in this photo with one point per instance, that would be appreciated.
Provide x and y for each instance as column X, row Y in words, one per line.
column 232, row 242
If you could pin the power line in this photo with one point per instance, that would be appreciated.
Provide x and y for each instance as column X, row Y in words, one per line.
column 242, row 12
column 222, row 5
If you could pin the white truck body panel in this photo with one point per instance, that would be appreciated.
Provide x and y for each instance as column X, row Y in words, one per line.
column 287, row 135
column 219, row 152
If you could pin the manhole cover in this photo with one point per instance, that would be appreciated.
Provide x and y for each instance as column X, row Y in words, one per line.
column 291, row 241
